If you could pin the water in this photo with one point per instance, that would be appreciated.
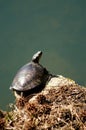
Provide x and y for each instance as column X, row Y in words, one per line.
column 58, row 28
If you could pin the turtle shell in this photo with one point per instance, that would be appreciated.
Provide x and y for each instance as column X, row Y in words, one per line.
column 28, row 77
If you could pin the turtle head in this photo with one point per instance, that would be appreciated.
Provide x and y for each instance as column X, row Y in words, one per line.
column 36, row 57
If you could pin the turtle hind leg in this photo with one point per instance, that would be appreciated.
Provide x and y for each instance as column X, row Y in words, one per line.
column 18, row 94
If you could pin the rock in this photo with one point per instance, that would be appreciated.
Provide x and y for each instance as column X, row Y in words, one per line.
column 59, row 81
column 60, row 106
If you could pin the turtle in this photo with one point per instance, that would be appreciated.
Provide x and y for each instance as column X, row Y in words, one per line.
column 31, row 78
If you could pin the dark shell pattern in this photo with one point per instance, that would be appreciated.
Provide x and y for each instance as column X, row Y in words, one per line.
column 29, row 76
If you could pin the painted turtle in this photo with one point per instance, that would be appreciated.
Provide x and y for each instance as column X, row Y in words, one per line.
column 31, row 78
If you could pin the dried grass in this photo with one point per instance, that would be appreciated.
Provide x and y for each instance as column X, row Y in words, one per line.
column 60, row 108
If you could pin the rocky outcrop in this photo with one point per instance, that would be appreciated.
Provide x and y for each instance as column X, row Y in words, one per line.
column 60, row 106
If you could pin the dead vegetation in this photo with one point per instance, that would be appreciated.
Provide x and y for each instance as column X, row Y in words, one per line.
column 55, row 108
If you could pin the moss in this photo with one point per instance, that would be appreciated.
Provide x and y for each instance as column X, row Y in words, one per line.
column 56, row 108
